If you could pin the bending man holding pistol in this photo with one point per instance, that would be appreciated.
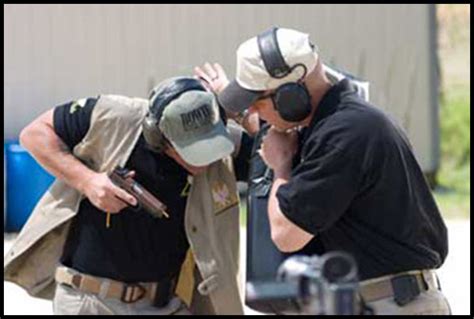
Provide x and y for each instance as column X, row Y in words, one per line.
column 92, row 247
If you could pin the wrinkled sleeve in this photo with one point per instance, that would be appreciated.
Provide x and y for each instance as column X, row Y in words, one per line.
column 71, row 120
column 320, row 190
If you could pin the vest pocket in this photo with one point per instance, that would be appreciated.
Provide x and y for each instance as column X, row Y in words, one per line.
column 208, row 285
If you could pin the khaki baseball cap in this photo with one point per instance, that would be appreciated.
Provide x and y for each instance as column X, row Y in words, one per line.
column 193, row 126
column 252, row 78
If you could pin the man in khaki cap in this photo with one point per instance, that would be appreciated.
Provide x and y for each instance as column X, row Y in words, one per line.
column 344, row 174
column 85, row 246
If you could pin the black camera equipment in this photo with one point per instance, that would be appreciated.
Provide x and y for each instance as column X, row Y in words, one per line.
column 317, row 285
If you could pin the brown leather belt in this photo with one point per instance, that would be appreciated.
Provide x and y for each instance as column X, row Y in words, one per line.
column 388, row 286
column 159, row 292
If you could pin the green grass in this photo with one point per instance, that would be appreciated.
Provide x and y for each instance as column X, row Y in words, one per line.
column 454, row 191
column 454, row 187
column 455, row 124
column 243, row 212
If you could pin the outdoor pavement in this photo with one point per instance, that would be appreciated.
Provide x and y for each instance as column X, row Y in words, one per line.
column 454, row 276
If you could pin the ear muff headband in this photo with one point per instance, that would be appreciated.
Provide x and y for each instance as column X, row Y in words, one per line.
column 159, row 99
column 271, row 54
column 164, row 97
column 291, row 100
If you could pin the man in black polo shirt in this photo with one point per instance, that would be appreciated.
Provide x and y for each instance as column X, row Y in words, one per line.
column 345, row 176
column 111, row 244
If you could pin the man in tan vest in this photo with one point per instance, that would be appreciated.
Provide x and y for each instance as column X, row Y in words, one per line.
column 86, row 247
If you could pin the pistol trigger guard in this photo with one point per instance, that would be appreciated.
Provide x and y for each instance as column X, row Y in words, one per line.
column 137, row 207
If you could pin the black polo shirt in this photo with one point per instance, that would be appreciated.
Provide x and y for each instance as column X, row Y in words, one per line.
column 358, row 187
column 136, row 246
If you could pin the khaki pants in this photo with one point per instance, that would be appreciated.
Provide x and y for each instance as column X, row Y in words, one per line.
column 430, row 302
column 69, row 301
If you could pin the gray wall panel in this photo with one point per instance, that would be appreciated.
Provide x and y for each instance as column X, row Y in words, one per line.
column 54, row 53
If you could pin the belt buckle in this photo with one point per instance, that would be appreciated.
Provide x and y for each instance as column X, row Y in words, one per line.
column 76, row 281
column 128, row 297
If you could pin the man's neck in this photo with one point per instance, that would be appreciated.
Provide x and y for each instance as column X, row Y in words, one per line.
column 317, row 91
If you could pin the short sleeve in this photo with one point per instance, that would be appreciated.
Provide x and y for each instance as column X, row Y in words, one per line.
column 242, row 161
column 71, row 120
column 321, row 188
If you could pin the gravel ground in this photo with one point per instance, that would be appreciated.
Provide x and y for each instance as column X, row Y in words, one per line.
column 454, row 276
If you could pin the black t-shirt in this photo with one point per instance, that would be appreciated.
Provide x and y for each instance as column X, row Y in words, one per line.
column 136, row 246
column 358, row 187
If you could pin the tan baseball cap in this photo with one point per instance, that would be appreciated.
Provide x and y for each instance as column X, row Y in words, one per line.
column 252, row 77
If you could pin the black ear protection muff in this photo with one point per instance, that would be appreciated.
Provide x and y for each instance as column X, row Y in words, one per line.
column 291, row 100
column 159, row 98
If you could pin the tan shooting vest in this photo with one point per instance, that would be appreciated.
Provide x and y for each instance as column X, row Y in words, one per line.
column 208, row 279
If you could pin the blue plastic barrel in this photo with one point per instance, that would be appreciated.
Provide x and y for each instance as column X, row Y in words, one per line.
column 26, row 182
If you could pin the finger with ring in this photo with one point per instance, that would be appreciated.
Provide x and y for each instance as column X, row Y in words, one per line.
column 210, row 71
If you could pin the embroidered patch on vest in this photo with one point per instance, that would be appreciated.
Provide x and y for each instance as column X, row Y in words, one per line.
column 222, row 198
